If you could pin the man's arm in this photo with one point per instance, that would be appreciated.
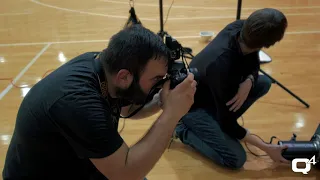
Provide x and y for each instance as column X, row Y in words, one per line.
column 90, row 130
column 135, row 162
column 86, row 122
column 273, row 150
column 255, row 141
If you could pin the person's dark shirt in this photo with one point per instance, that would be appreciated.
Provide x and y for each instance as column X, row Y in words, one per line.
column 222, row 67
column 62, row 122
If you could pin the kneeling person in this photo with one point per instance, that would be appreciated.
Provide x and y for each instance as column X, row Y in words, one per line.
column 229, row 85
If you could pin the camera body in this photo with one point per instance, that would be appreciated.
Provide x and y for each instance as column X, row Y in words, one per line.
column 303, row 149
column 177, row 70
column 174, row 47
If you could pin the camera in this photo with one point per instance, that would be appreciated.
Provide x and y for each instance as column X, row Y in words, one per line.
column 177, row 70
column 303, row 149
column 174, row 47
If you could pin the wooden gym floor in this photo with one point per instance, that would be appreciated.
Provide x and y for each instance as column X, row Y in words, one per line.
column 40, row 35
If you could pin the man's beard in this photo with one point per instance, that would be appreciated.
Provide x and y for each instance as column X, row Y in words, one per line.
column 134, row 93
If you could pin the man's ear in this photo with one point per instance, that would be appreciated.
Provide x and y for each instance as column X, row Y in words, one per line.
column 124, row 78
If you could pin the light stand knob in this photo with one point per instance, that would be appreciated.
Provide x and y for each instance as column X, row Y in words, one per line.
column 294, row 137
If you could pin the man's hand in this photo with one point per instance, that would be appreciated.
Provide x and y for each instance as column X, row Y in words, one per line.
column 274, row 151
column 178, row 100
column 241, row 96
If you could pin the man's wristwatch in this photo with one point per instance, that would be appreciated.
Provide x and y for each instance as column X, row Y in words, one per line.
column 251, row 79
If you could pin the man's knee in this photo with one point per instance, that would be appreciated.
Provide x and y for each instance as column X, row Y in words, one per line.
column 264, row 84
column 199, row 130
column 236, row 161
column 233, row 157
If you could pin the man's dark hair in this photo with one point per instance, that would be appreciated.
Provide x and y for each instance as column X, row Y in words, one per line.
column 131, row 49
column 263, row 28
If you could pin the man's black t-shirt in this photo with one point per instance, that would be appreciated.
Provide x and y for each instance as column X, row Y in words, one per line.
column 222, row 67
column 62, row 122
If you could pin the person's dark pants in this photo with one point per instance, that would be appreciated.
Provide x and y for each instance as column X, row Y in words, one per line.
column 200, row 130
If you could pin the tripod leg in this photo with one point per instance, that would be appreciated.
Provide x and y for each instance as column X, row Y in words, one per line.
column 286, row 89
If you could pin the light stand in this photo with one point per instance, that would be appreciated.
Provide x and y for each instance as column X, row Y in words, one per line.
column 239, row 9
column 162, row 33
column 266, row 58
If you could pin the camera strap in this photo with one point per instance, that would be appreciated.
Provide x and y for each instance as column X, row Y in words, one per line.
column 101, row 75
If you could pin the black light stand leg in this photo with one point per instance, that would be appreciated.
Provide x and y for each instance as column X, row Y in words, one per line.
column 286, row 89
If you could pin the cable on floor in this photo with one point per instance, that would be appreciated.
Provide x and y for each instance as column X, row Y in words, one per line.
column 24, row 86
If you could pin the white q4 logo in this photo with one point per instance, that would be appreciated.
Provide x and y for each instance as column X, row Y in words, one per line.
column 306, row 169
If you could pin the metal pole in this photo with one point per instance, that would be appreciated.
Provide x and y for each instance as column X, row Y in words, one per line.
column 239, row 9
column 161, row 32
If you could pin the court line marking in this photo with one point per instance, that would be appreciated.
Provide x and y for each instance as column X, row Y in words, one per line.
column 213, row 8
column 24, row 70
column 232, row 17
column 14, row 14
column 304, row 32
column 85, row 12
column 106, row 40
column 155, row 19
column 55, row 42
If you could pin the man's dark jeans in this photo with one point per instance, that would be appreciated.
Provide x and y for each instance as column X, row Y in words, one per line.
column 200, row 130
